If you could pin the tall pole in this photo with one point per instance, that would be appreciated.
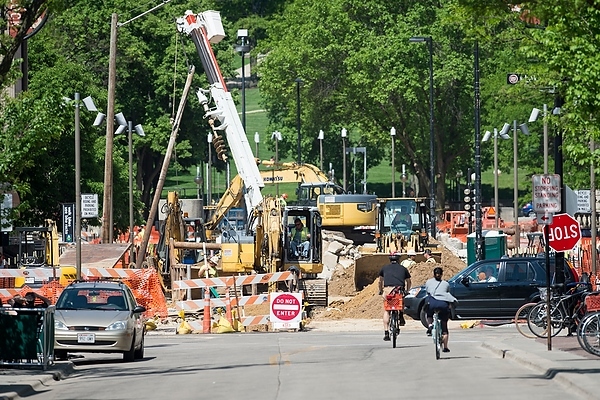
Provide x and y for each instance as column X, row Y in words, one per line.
column 431, row 139
column 298, row 82
column 545, row 139
column 496, row 209
column 344, row 132
column 321, row 137
column 243, row 92
column 276, row 162
column 393, row 134
column 516, row 187
column 107, row 228
column 209, row 171
column 478, row 222
column 593, row 205
column 77, row 190
column 129, row 126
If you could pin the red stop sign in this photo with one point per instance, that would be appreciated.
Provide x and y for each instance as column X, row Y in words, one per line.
column 564, row 233
column 285, row 306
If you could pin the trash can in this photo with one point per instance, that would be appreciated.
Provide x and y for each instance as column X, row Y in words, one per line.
column 26, row 337
column 494, row 245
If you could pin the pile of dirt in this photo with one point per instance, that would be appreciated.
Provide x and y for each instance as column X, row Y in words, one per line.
column 367, row 303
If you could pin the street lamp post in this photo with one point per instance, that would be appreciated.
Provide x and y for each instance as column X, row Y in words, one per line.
column 140, row 131
column 344, row 133
column 404, row 177
column 243, row 48
column 525, row 130
column 393, row 135
column 257, row 141
column 199, row 182
column 532, row 118
column 486, row 137
column 298, row 83
column 429, row 41
column 321, row 137
column 209, row 139
column 277, row 137
column 89, row 103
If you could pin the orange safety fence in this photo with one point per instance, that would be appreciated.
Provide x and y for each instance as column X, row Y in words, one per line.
column 144, row 283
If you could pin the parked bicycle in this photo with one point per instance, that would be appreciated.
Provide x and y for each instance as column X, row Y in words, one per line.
column 588, row 331
column 394, row 303
column 566, row 310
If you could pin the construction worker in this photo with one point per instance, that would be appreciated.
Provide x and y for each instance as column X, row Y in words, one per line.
column 283, row 200
column 410, row 261
column 428, row 257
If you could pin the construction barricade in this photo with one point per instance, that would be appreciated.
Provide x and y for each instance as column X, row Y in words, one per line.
column 144, row 283
column 233, row 306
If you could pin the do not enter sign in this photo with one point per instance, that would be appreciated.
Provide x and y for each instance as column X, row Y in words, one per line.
column 286, row 307
column 564, row 233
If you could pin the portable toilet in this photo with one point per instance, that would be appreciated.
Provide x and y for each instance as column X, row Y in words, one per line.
column 494, row 245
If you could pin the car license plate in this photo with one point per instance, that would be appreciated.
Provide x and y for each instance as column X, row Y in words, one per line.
column 86, row 338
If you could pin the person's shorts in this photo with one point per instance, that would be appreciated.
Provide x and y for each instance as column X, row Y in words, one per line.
column 442, row 306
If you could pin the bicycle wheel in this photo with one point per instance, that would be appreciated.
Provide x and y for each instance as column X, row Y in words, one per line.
column 393, row 326
column 538, row 322
column 521, row 320
column 590, row 333
column 437, row 337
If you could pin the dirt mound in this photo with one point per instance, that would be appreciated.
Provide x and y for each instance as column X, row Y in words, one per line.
column 367, row 303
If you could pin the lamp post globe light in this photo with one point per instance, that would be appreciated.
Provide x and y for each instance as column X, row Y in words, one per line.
column 393, row 135
column 257, row 141
column 429, row 41
column 344, row 134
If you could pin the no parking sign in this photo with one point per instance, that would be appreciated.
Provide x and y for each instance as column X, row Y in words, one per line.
column 286, row 310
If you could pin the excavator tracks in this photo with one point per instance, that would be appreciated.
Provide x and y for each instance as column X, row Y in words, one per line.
column 315, row 292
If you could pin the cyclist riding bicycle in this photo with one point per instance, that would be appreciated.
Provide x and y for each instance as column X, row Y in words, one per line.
column 392, row 275
column 439, row 299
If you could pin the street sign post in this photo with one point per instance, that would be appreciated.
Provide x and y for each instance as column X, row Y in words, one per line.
column 546, row 194
column 564, row 233
column 286, row 310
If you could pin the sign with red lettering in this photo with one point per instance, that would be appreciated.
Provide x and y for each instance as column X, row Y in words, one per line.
column 546, row 194
column 564, row 233
column 286, row 307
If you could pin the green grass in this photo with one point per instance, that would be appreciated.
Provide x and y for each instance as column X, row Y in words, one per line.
column 379, row 177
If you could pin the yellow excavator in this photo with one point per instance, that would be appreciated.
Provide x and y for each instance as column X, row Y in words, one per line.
column 352, row 214
column 401, row 226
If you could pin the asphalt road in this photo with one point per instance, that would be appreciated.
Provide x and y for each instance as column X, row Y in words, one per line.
column 491, row 363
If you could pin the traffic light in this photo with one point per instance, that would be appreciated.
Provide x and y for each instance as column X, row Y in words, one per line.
column 220, row 147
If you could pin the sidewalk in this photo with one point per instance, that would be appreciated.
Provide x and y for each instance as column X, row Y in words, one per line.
column 16, row 383
column 567, row 363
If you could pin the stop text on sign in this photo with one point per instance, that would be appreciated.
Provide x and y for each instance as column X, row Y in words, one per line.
column 546, row 193
column 556, row 233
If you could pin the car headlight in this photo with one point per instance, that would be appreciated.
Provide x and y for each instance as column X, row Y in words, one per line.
column 60, row 325
column 117, row 326
column 414, row 291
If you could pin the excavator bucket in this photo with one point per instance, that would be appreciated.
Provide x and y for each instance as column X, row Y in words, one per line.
column 367, row 267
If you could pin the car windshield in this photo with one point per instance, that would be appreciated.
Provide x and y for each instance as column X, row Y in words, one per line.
column 91, row 299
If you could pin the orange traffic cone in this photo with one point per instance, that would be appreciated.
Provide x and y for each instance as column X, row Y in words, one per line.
column 206, row 321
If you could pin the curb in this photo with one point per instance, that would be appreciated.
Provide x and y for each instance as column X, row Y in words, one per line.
column 30, row 384
column 548, row 368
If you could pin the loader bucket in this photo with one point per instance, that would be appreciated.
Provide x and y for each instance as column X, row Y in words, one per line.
column 368, row 265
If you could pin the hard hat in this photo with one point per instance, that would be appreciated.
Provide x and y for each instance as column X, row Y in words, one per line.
column 411, row 253
column 284, row 196
column 394, row 256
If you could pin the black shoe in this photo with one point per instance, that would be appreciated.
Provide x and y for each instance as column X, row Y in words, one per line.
column 386, row 337
column 401, row 320
column 429, row 329
column 446, row 350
